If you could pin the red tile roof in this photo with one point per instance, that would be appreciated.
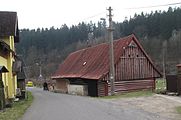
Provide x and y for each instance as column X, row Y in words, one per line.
column 179, row 65
column 93, row 62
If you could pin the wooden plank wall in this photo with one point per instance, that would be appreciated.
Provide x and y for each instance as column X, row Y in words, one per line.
column 124, row 86
column 133, row 71
column 102, row 88
column 133, row 65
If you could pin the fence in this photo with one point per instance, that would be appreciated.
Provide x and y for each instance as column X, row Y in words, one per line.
column 2, row 97
column 171, row 81
column 174, row 81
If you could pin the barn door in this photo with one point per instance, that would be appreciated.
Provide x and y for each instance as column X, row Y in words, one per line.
column 92, row 88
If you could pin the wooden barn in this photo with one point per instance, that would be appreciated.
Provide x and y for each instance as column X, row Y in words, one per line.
column 89, row 69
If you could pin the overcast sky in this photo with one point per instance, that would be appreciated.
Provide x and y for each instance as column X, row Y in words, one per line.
column 46, row 13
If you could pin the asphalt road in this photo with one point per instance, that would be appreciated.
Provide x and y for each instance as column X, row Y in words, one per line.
column 55, row 106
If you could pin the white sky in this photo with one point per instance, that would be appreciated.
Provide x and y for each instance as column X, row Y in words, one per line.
column 47, row 13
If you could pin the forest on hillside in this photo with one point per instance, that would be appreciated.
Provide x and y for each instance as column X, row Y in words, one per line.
column 159, row 32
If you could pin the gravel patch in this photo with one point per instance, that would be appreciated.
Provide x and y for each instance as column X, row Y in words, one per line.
column 163, row 107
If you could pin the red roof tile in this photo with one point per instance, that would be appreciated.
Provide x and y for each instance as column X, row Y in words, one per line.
column 179, row 65
column 93, row 62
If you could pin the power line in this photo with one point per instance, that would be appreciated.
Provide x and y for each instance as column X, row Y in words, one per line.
column 155, row 6
column 90, row 17
column 98, row 14
column 104, row 12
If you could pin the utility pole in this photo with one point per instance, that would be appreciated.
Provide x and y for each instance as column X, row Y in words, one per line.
column 40, row 76
column 40, row 70
column 164, row 58
column 90, row 36
column 111, row 54
column 164, row 61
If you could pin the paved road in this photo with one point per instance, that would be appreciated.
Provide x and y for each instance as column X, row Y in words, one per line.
column 55, row 106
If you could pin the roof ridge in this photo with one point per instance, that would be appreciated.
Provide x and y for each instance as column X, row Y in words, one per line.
column 8, row 12
column 106, row 43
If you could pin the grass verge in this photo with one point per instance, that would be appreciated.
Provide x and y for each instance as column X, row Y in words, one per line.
column 17, row 110
column 160, row 86
column 130, row 94
column 178, row 109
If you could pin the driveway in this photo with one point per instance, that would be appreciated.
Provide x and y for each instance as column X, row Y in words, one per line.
column 55, row 106
column 164, row 106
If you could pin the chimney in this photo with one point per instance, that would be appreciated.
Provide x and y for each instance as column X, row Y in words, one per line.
column 179, row 79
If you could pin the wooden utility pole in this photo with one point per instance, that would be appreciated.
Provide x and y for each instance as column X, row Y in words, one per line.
column 164, row 58
column 111, row 54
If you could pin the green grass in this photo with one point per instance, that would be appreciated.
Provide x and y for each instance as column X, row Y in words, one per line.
column 160, row 86
column 178, row 109
column 130, row 94
column 17, row 110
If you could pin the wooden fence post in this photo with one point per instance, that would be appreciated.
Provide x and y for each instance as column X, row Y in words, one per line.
column 2, row 97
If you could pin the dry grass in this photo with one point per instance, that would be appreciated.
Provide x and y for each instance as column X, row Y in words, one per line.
column 178, row 109
column 17, row 110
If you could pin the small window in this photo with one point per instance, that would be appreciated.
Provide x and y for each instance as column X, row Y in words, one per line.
column 132, row 45
column 137, row 55
column 129, row 55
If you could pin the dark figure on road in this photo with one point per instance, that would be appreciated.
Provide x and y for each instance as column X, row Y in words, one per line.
column 45, row 86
